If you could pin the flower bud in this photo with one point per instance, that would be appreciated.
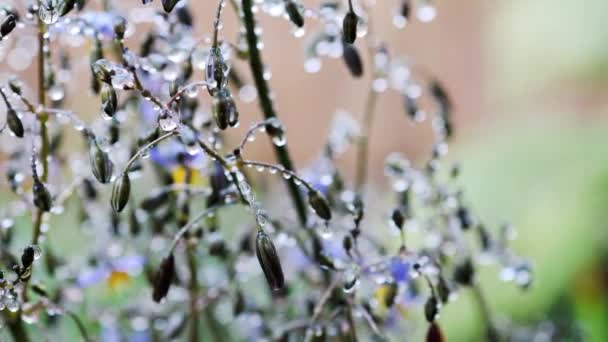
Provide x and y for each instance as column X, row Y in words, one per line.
column 168, row 5
column 349, row 27
column 15, row 86
column 224, row 110
column 294, row 13
column 155, row 200
column 163, row 278
column 101, row 164
column 464, row 273
column 42, row 197
column 404, row 9
column 434, row 333
column 120, row 28
column 27, row 257
column 109, row 101
column 100, row 67
column 443, row 290
column 431, row 309
column 14, row 123
column 120, row 192
column 319, row 204
column 398, row 218
column 352, row 59
column 269, row 261
column 464, row 216
column 8, row 25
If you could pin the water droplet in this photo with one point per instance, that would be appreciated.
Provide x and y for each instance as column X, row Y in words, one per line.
column 57, row 92
column 312, row 65
column 48, row 12
column 167, row 120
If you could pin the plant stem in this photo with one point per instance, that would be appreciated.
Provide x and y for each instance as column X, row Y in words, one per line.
column 491, row 332
column 257, row 68
column 363, row 142
column 194, row 314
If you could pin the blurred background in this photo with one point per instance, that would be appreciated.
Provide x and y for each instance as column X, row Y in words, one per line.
column 528, row 80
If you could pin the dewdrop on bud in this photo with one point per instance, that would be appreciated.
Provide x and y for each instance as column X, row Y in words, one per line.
column 269, row 261
column 294, row 13
column 319, row 204
column 49, row 11
column 42, row 197
column 349, row 27
column 163, row 278
column 216, row 72
column 167, row 120
column 15, row 86
column 14, row 123
column 30, row 254
column 101, row 165
column 275, row 130
column 120, row 192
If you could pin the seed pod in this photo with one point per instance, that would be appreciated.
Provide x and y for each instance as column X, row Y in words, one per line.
column 14, row 123
column 163, row 278
column 101, row 164
column 352, row 59
column 294, row 13
column 224, row 110
column 464, row 273
column 411, row 107
column 319, row 204
column 8, row 25
column 484, row 238
column 99, row 66
column 168, row 5
column 42, row 197
column 398, row 218
column 184, row 16
column 431, row 309
column 120, row 192
column 347, row 243
column 349, row 27
column 269, row 261
column 109, row 101
column 434, row 333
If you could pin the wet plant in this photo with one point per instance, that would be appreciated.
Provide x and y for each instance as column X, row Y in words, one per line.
column 168, row 202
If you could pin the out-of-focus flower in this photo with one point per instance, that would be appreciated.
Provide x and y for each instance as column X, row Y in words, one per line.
column 114, row 272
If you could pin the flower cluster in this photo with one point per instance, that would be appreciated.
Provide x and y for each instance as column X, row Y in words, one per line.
column 157, row 182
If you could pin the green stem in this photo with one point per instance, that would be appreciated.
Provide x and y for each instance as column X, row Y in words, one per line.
column 194, row 289
column 257, row 68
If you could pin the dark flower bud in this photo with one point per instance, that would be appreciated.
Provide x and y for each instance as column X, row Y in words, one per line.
column 15, row 86
column 89, row 189
column 99, row 68
column 120, row 192
column 464, row 273
column 349, row 27
column 319, row 204
column 42, row 197
column 411, row 107
column 163, row 278
column 168, row 5
column 431, row 309
column 114, row 132
column 184, row 16
column 347, row 243
column 434, row 333
column 224, row 110
column 326, row 262
column 27, row 257
column 404, row 9
column 120, row 28
column 8, row 25
column 101, row 164
column 352, row 59
column 269, row 261
column 109, row 101
column 218, row 249
column 294, row 13
column 443, row 290
column 134, row 225
column 464, row 216
column 398, row 218
column 14, row 123
column 484, row 237
column 155, row 200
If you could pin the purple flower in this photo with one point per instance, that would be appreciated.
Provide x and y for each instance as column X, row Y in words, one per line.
column 127, row 264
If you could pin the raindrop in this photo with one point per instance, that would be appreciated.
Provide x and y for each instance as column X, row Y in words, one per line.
column 167, row 120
